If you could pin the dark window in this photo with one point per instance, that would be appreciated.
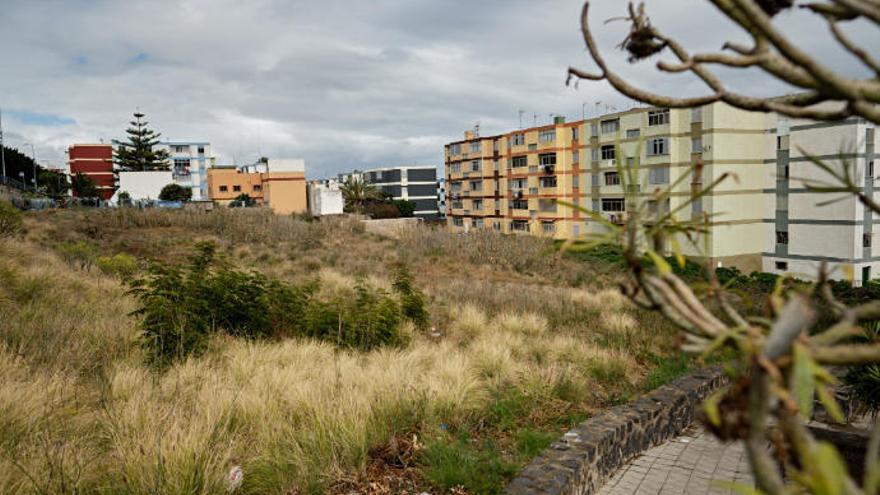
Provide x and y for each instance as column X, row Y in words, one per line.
column 224, row 188
column 236, row 188
column 608, row 152
column 548, row 181
column 475, row 166
column 519, row 161
column 612, row 179
column 422, row 190
column 781, row 265
column 425, row 204
column 421, row 175
column 519, row 204
column 201, row 150
column 613, row 204
column 781, row 237
column 258, row 188
column 658, row 117
column 866, row 240
column 871, row 168
column 547, row 159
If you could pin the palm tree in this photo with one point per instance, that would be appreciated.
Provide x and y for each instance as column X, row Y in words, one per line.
column 357, row 193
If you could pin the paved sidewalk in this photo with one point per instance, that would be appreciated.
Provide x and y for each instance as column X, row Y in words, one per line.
column 684, row 465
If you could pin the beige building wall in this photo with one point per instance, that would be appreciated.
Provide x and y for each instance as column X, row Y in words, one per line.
column 285, row 192
column 226, row 184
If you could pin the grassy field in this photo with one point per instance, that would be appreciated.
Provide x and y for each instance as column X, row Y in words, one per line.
column 523, row 342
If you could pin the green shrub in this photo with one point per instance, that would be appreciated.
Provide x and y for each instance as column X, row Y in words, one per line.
column 11, row 222
column 120, row 265
column 412, row 300
column 182, row 306
column 865, row 380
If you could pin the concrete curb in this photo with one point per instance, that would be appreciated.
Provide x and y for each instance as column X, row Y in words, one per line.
column 588, row 455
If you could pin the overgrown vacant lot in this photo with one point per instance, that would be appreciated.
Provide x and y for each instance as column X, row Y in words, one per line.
column 521, row 342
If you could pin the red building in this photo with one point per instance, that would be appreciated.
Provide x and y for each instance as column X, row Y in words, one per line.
column 95, row 161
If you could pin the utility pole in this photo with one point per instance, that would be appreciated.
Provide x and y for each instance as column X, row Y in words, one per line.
column 34, row 162
column 2, row 147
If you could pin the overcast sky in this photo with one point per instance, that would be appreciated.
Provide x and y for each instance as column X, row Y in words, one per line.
column 342, row 84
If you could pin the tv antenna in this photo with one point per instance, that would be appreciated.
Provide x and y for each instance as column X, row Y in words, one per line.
column 521, row 112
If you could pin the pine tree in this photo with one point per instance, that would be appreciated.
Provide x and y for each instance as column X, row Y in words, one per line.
column 138, row 153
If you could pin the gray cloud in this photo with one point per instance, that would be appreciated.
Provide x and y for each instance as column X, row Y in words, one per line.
column 342, row 84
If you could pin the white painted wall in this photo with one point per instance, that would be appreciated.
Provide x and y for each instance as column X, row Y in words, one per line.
column 325, row 200
column 287, row 165
column 143, row 185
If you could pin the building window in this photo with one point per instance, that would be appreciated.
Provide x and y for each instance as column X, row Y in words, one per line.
column 457, row 204
column 610, row 126
column 475, row 166
column 548, row 181
column 658, row 117
column 519, row 161
column 633, row 133
column 595, row 181
column 575, row 182
column 478, row 223
column 697, row 114
column 236, row 188
column 658, row 175
column 518, row 140
column 866, row 240
column 612, row 179
column 781, row 237
column 455, row 168
column 495, row 145
column 658, row 146
column 697, row 145
column 697, row 205
column 574, row 133
column 201, row 150
column 519, row 204
column 455, row 187
column 782, row 266
column 575, row 157
column 458, row 221
column 783, row 142
column 181, row 167
column 547, row 159
column 547, row 136
column 224, row 188
column 475, row 147
column 548, row 227
column 533, row 147
column 613, row 204
column 788, row 171
column 455, row 149
column 608, row 152
column 594, row 129
column 519, row 225
column 258, row 188
column 546, row 205
column 180, row 149
column 496, row 226
column 476, row 185
column 477, row 205
column 594, row 154
column 595, row 205
column 870, row 169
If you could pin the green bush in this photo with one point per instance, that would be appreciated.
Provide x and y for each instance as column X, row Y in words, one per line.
column 865, row 380
column 120, row 265
column 11, row 222
column 412, row 301
column 182, row 306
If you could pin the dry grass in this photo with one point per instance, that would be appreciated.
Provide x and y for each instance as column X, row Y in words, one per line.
column 79, row 412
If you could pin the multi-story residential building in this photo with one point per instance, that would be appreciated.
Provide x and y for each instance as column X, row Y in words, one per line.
column 278, row 183
column 190, row 162
column 522, row 181
column 417, row 183
column 95, row 161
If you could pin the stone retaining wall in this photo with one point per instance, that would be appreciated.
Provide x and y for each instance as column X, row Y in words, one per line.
column 588, row 455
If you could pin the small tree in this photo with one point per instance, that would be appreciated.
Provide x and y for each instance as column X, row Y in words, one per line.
column 243, row 200
column 124, row 199
column 138, row 153
column 175, row 192
column 55, row 184
column 405, row 207
column 84, row 187
column 357, row 194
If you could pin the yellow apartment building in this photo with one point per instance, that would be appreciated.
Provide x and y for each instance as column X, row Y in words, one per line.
column 511, row 182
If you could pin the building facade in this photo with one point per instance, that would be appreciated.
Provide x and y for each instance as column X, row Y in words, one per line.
column 417, row 183
column 95, row 161
column 279, row 184
column 523, row 182
column 190, row 162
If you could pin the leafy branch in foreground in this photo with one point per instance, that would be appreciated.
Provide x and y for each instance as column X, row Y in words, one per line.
column 780, row 363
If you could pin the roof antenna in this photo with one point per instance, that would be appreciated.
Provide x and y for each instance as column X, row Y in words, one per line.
column 521, row 112
column 477, row 129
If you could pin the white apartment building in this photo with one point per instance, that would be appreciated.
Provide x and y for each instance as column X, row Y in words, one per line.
column 190, row 162
column 416, row 183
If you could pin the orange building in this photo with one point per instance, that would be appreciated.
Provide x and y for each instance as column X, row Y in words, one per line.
column 281, row 185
